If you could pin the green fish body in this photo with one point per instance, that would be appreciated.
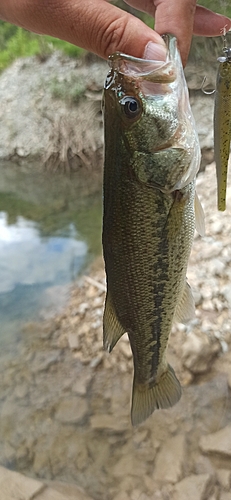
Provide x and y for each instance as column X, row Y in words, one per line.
column 222, row 126
column 152, row 155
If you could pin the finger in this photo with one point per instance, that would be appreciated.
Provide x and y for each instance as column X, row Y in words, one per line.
column 176, row 17
column 143, row 5
column 94, row 25
column 207, row 23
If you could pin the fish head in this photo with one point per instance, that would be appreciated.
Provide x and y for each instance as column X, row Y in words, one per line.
column 147, row 104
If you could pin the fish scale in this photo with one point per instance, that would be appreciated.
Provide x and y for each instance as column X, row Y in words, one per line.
column 149, row 219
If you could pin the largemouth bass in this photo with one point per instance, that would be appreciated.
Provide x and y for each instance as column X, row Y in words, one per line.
column 222, row 125
column 152, row 155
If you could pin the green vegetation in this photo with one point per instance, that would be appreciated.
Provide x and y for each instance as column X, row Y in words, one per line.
column 220, row 6
column 70, row 91
column 17, row 42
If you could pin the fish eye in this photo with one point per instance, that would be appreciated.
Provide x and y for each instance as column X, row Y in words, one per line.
column 131, row 106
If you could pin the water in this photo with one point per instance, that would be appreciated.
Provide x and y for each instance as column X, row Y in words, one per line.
column 44, row 245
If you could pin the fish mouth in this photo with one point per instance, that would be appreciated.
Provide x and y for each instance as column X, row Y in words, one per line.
column 152, row 70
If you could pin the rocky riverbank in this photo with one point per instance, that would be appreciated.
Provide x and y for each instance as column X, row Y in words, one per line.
column 65, row 404
column 51, row 111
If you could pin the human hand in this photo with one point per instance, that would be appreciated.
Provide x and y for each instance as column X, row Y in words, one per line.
column 102, row 28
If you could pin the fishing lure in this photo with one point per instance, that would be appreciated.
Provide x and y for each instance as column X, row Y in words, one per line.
column 222, row 123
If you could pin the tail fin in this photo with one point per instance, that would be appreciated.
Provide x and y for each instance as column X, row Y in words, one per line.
column 164, row 394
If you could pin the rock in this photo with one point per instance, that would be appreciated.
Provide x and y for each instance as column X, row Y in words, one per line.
column 219, row 442
column 217, row 266
column 73, row 341
column 169, row 464
column 81, row 384
column 121, row 496
column 128, row 465
column 224, row 478
column 109, row 422
column 140, row 436
column 203, row 465
column 16, row 486
column 198, row 353
column 224, row 496
column 71, row 410
column 226, row 292
column 215, row 495
column 138, row 495
column 71, row 491
column 43, row 360
column 21, row 391
column 194, row 487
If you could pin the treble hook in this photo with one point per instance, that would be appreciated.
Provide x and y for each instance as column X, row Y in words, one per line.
column 226, row 50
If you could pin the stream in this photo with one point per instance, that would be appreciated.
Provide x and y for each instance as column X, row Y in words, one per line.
column 47, row 238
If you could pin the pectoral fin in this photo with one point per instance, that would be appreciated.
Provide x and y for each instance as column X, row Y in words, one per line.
column 112, row 329
column 185, row 309
column 163, row 394
column 199, row 216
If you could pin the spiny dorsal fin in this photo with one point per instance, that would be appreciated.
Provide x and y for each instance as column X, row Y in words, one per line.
column 199, row 216
column 164, row 394
column 185, row 309
column 112, row 329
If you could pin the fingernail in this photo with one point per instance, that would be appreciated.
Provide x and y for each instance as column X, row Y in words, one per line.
column 155, row 51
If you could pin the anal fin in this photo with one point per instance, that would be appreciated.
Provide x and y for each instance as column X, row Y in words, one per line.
column 199, row 216
column 165, row 393
column 185, row 309
column 112, row 329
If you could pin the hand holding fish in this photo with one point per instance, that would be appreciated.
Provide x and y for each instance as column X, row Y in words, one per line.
column 104, row 29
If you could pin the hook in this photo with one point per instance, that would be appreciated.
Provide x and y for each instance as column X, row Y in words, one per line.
column 203, row 88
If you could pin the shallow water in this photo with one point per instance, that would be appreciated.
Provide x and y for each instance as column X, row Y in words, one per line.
column 46, row 241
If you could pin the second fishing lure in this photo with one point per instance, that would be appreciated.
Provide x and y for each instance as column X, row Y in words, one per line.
column 222, row 124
